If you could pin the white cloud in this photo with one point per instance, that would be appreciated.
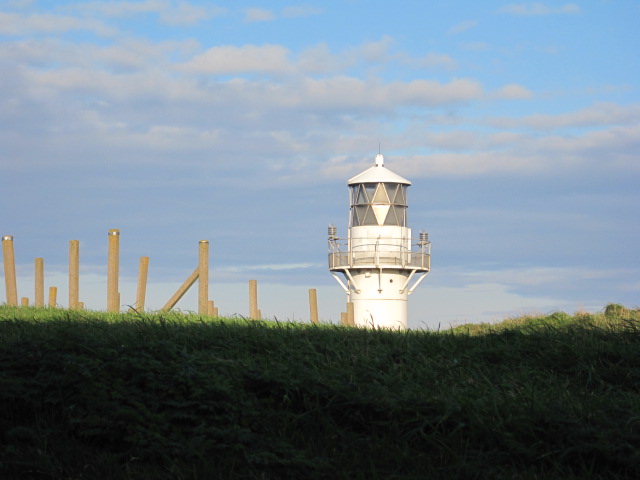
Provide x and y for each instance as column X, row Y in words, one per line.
column 596, row 115
column 252, row 15
column 226, row 60
column 186, row 14
column 46, row 23
column 20, row 3
column 170, row 12
column 521, row 153
column 122, row 8
column 296, row 11
column 513, row 92
column 535, row 8
column 275, row 266
column 439, row 60
column 462, row 27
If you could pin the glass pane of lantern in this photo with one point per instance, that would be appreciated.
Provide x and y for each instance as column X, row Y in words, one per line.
column 381, row 212
column 401, row 198
column 371, row 191
column 381, row 195
column 391, row 219
column 391, row 191
column 361, row 212
column 369, row 218
column 361, row 199
column 354, row 218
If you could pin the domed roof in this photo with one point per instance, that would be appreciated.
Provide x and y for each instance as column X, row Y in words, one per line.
column 378, row 173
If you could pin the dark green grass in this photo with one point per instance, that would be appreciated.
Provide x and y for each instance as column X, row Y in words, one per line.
column 88, row 396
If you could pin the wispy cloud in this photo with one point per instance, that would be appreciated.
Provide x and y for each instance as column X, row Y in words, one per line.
column 596, row 115
column 48, row 23
column 253, row 15
column 513, row 92
column 462, row 27
column 296, row 11
column 241, row 59
column 168, row 11
column 536, row 8
column 275, row 266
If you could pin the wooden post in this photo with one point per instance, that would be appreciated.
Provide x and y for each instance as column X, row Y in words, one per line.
column 313, row 305
column 53, row 296
column 143, row 270
column 39, row 293
column 253, row 300
column 74, row 274
column 343, row 319
column 24, row 301
column 210, row 308
column 350, row 319
column 113, row 266
column 191, row 279
column 10, row 270
column 203, row 277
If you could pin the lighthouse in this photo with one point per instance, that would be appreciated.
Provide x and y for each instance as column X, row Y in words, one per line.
column 378, row 264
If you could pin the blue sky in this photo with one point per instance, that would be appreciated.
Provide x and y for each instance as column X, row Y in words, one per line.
column 518, row 124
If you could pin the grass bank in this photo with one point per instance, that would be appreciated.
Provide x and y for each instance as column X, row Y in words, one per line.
column 86, row 395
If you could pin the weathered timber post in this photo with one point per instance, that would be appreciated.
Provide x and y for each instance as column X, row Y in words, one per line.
column 203, row 277
column 53, row 296
column 113, row 267
column 350, row 319
column 343, row 319
column 254, row 313
column 191, row 279
column 213, row 310
column 313, row 305
column 143, row 271
column 39, row 272
column 24, row 301
column 74, row 274
column 10, row 270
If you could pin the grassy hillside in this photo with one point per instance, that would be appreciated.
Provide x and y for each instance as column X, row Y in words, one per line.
column 88, row 395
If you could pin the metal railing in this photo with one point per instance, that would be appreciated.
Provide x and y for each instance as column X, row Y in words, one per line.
column 379, row 253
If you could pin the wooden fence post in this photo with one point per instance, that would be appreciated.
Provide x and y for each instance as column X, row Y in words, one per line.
column 313, row 305
column 254, row 313
column 39, row 293
column 113, row 266
column 191, row 279
column 143, row 271
column 10, row 270
column 74, row 274
column 350, row 319
column 343, row 319
column 53, row 296
column 203, row 280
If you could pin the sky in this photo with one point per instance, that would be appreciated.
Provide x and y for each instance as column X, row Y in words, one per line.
column 518, row 124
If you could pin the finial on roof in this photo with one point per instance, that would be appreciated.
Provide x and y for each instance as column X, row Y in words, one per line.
column 379, row 160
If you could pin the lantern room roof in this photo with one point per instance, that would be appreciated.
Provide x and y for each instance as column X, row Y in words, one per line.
column 378, row 173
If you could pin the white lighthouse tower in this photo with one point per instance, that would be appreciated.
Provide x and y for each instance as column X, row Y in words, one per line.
column 380, row 262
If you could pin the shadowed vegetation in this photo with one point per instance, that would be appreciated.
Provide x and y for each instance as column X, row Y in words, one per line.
column 86, row 395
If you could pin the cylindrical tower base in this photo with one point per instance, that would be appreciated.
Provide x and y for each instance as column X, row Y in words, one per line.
column 378, row 301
